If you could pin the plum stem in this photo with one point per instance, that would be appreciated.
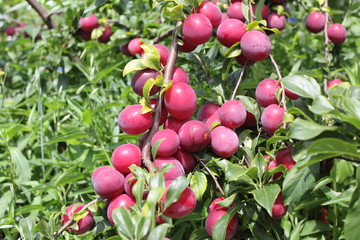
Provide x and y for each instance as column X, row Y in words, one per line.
column 283, row 95
column 146, row 150
column 72, row 221
column 212, row 175
column 239, row 80
column 326, row 49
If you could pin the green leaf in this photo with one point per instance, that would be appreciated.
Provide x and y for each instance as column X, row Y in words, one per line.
column 80, row 215
column 151, row 58
column 250, row 105
column 96, row 33
column 259, row 162
column 44, row 228
column 123, row 221
column 199, row 234
column 246, row 10
column 176, row 12
column 266, row 196
column 149, row 84
column 219, row 229
column 198, row 184
column 175, row 189
column 155, row 147
column 233, row 51
column 138, row 190
column 22, row 167
column 75, row 106
column 133, row 65
column 321, row 105
column 303, row 86
column 333, row 145
column 305, row 130
column 67, row 137
column 298, row 182
column 159, row 231
column 352, row 220
column 87, row 116
column 227, row 202
column 27, row 228
column 314, row 226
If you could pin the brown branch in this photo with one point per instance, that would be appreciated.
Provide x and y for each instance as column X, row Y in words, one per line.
column 43, row 13
column 164, row 35
column 326, row 49
column 146, row 150
column 252, row 17
column 212, row 175
column 71, row 220
column 283, row 95
column 239, row 80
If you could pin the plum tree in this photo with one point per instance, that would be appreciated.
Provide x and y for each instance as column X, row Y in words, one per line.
column 278, row 209
column 276, row 21
column 194, row 136
column 134, row 46
column 206, row 110
column 169, row 144
column 224, row 141
column 124, row 156
column 212, row 219
column 183, row 206
column 139, row 79
column 271, row 117
column 180, row 101
column 211, row 11
column 89, row 23
column 107, row 182
column 265, row 92
column 84, row 224
column 197, row 29
column 176, row 171
column 315, row 22
column 122, row 200
column 284, row 157
column 255, row 45
column 337, row 33
column 230, row 32
column 132, row 121
column 232, row 114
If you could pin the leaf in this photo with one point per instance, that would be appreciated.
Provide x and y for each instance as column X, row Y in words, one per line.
column 75, row 106
column 344, row 170
column 133, row 65
column 219, row 229
column 199, row 234
column 304, row 130
column 333, row 145
column 266, row 196
column 44, row 228
column 80, row 215
column 175, row 190
column 298, row 182
column 67, row 137
column 303, row 86
column 27, row 228
column 176, row 12
column 87, row 116
column 245, row 10
column 159, row 231
column 321, row 105
column 314, row 226
column 123, row 221
column 96, row 33
column 233, row 51
column 22, row 167
column 352, row 220
column 198, row 184
column 155, row 147
column 151, row 58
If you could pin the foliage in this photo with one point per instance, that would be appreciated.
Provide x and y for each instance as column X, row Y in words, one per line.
column 60, row 98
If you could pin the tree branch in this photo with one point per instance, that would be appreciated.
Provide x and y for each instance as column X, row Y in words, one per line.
column 164, row 35
column 71, row 220
column 212, row 175
column 146, row 150
column 43, row 13
column 239, row 80
column 326, row 50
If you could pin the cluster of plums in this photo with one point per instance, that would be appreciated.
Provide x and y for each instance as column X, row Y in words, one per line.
column 315, row 23
column 88, row 24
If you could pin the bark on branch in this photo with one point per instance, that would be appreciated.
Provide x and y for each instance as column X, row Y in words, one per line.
column 43, row 13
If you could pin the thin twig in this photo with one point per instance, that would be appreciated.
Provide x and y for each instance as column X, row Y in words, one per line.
column 164, row 35
column 239, row 80
column 71, row 220
column 283, row 95
column 326, row 49
column 213, row 177
column 146, row 150
column 42, row 12
column 348, row 159
column 252, row 17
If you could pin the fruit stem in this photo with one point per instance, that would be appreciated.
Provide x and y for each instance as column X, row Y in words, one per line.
column 164, row 35
column 239, row 80
column 326, row 50
column 72, row 221
column 212, row 175
column 283, row 96
column 146, row 150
